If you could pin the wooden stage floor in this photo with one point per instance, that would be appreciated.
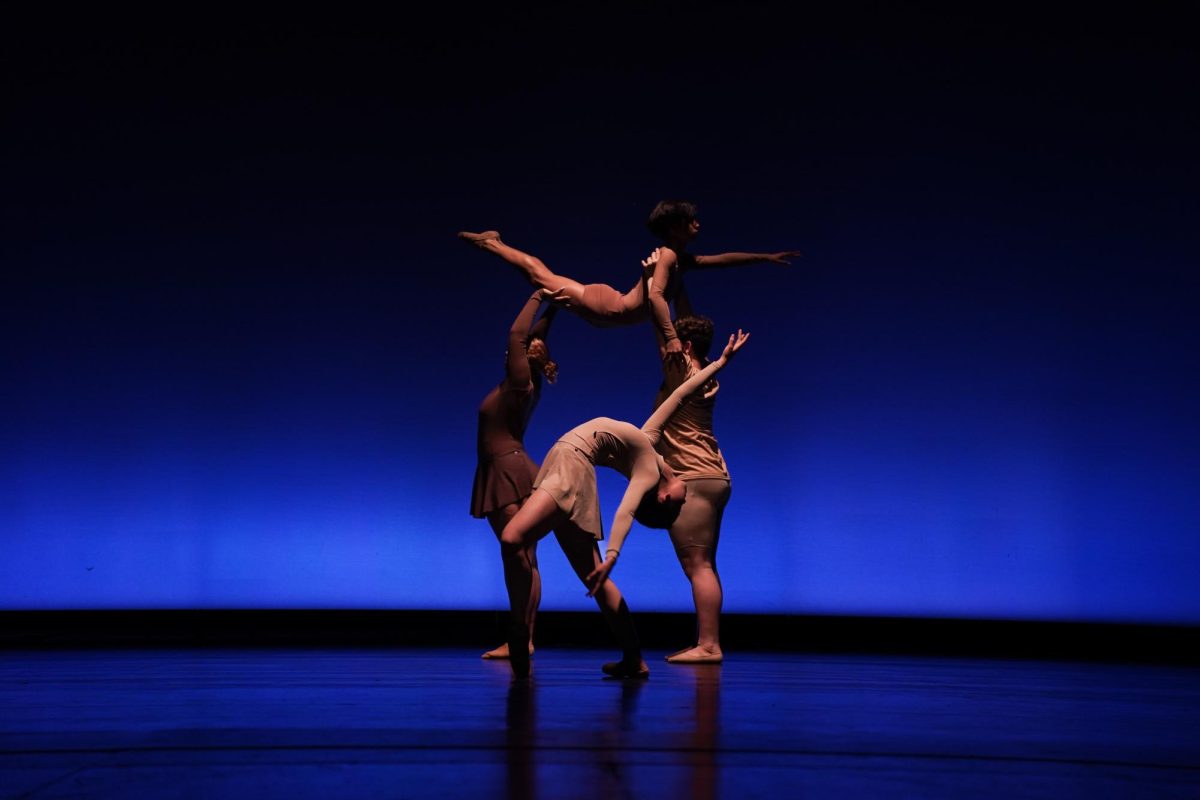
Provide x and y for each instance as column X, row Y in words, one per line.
column 413, row 723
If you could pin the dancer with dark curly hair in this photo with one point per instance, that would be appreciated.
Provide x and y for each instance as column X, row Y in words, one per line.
column 689, row 446
column 504, row 474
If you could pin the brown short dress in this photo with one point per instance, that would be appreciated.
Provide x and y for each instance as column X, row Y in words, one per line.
column 504, row 473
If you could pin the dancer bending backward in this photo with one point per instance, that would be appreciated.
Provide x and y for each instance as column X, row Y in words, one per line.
column 505, row 472
column 689, row 447
column 568, row 503
column 675, row 223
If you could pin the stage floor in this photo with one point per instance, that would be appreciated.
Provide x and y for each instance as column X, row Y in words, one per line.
column 442, row 723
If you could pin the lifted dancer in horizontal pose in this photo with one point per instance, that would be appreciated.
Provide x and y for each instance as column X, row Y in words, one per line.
column 566, row 501
column 673, row 221
column 504, row 474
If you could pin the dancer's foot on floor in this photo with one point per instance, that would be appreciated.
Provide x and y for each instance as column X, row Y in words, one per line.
column 501, row 652
column 518, row 649
column 696, row 655
column 480, row 240
column 626, row 669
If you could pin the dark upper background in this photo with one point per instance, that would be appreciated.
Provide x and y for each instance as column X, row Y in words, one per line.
column 242, row 349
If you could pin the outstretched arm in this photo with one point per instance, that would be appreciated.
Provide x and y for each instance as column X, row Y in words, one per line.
column 517, row 364
column 739, row 259
column 644, row 479
column 658, row 420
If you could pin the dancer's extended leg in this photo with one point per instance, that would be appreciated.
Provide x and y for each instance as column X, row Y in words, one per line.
column 533, row 267
column 533, row 521
column 498, row 519
column 584, row 557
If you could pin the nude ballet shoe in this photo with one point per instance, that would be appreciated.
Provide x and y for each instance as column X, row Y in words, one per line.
column 501, row 653
column 624, row 669
column 479, row 239
column 694, row 655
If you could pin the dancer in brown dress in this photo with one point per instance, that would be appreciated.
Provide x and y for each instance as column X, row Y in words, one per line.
column 673, row 221
column 566, row 501
column 505, row 472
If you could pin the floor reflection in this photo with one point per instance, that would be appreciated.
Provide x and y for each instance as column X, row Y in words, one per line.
column 703, row 778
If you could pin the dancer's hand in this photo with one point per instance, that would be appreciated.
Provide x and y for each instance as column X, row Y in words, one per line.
column 599, row 575
column 558, row 297
column 736, row 341
column 652, row 259
column 782, row 258
column 673, row 353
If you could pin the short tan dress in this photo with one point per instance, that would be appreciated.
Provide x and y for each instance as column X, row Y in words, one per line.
column 568, row 475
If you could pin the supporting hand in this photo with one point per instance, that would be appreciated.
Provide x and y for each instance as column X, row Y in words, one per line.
column 673, row 353
column 649, row 261
column 558, row 297
column 599, row 575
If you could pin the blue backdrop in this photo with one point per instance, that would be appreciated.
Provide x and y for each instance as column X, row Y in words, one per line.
column 243, row 350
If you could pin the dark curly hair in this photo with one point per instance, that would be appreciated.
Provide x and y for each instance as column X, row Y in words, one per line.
column 698, row 330
column 668, row 214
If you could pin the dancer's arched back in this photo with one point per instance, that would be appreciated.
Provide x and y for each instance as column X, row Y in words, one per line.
column 565, row 500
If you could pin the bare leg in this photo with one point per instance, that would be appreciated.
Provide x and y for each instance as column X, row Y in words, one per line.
column 584, row 556
column 498, row 519
column 531, row 522
column 696, row 534
column 699, row 564
column 534, row 268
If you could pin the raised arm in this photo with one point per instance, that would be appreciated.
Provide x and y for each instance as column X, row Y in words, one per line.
column 739, row 259
column 541, row 328
column 517, row 365
column 658, row 420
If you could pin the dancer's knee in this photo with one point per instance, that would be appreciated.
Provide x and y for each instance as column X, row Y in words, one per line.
column 694, row 559
column 511, row 541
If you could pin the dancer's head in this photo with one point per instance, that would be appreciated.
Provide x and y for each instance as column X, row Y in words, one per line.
column 660, row 506
column 538, row 354
column 696, row 331
column 674, row 220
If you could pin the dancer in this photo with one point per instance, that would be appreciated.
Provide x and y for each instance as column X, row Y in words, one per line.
column 505, row 472
column 689, row 447
column 568, row 503
column 675, row 223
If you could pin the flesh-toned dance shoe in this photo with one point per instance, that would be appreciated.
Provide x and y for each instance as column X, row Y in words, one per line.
column 501, row 652
column 625, row 669
column 694, row 655
column 479, row 239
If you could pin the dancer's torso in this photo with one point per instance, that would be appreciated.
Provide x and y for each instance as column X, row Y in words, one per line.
column 503, row 417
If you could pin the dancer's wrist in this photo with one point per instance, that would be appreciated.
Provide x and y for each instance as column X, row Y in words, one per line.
column 613, row 554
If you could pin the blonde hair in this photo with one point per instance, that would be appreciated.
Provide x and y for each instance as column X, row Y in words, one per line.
column 549, row 366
